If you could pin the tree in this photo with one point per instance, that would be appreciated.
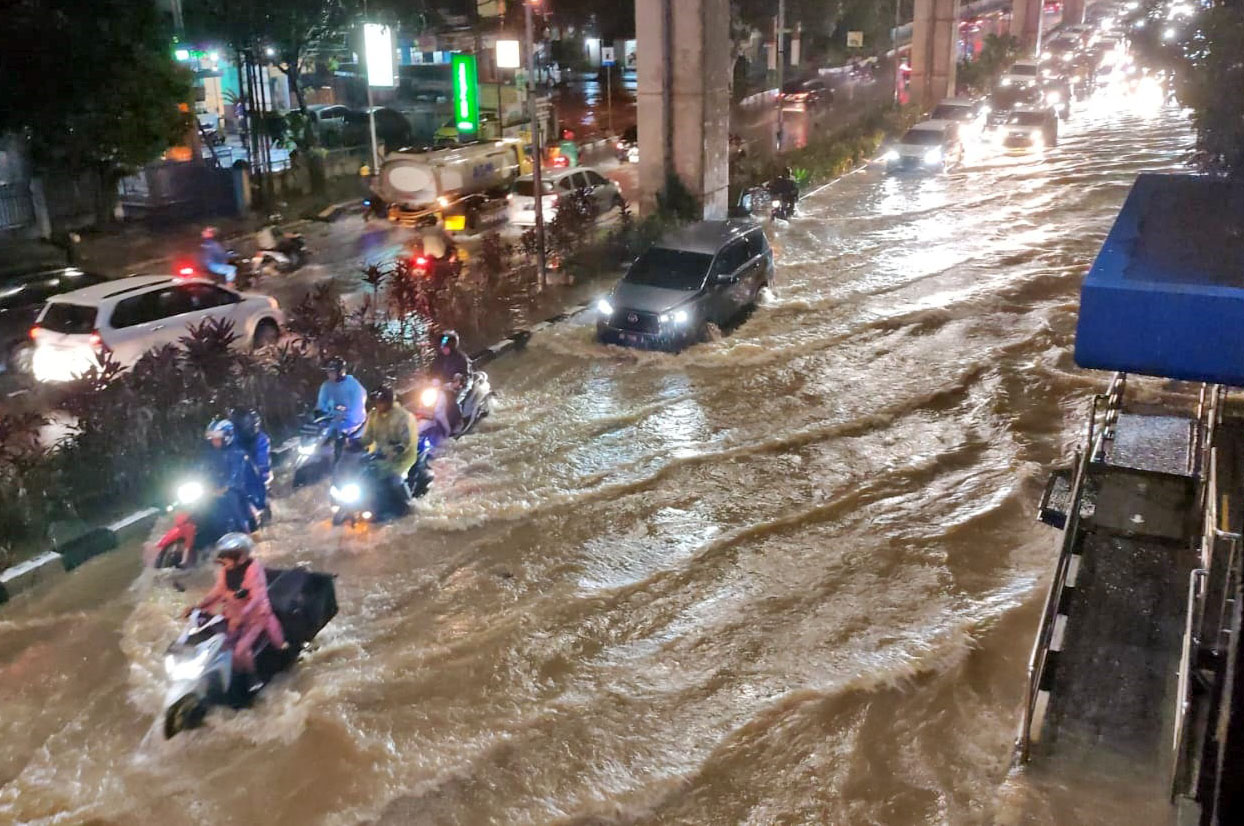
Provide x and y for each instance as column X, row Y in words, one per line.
column 1209, row 77
column 91, row 85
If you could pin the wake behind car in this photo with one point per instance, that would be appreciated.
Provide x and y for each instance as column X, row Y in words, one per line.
column 130, row 316
column 21, row 298
column 930, row 146
column 694, row 279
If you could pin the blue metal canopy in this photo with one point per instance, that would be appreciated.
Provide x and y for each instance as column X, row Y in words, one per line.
column 1165, row 296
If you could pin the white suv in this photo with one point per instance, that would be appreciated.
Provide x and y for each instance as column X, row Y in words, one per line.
column 1022, row 73
column 130, row 316
column 557, row 184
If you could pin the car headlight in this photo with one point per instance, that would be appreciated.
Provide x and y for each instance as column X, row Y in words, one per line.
column 1053, row 97
column 1046, row 55
column 190, row 492
column 892, row 155
column 429, row 396
column 186, row 668
column 604, row 307
column 1006, row 81
column 308, row 449
column 676, row 317
column 348, row 494
column 776, row 203
column 933, row 156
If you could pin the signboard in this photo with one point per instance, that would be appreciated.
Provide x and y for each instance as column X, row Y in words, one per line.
column 606, row 56
column 855, row 40
column 466, row 94
column 378, row 49
column 508, row 55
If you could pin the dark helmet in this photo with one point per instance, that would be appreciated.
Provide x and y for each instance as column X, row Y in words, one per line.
column 449, row 339
column 246, row 420
column 787, row 172
column 382, row 394
column 335, row 364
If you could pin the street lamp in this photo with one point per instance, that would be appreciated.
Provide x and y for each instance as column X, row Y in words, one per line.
column 535, row 140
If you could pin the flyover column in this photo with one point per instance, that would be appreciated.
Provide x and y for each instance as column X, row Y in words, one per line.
column 1026, row 24
column 684, row 55
column 934, row 42
column 1073, row 12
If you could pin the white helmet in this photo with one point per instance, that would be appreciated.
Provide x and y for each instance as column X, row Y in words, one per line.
column 237, row 546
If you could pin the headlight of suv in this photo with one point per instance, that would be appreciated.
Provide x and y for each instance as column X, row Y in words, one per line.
column 892, row 155
column 678, row 317
column 933, row 156
column 604, row 307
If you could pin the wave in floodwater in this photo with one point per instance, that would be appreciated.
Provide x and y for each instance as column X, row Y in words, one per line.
column 790, row 575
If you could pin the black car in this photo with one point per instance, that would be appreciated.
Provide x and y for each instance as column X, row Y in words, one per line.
column 22, row 295
column 805, row 94
column 1007, row 98
column 694, row 279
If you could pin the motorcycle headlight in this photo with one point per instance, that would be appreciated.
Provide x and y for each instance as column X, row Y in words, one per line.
column 429, row 396
column 776, row 203
column 348, row 494
column 308, row 449
column 933, row 156
column 190, row 492
column 892, row 155
column 604, row 307
column 186, row 668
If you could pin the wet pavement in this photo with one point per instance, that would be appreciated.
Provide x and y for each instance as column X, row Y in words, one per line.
column 790, row 576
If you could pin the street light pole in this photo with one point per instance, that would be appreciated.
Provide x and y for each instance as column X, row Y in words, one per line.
column 371, row 114
column 536, row 153
column 781, row 64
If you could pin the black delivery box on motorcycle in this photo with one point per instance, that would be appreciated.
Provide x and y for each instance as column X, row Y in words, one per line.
column 304, row 601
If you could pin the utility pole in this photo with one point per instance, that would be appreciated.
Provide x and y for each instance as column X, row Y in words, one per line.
column 898, row 64
column 781, row 65
column 371, row 116
column 536, row 152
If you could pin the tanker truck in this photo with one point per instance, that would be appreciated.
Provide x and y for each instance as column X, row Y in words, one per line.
column 463, row 187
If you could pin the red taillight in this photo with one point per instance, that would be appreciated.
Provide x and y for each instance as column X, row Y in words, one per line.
column 186, row 272
column 34, row 331
column 96, row 339
column 554, row 200
column 421, row 261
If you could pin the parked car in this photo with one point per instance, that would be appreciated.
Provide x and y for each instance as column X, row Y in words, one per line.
column 391, row 127
column 692, row 280
column 130, row 316
column 328, row 118
column 558, row 184
column 22, row 296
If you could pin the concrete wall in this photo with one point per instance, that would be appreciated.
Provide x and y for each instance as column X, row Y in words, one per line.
column 1026, row 17
column 684, row 98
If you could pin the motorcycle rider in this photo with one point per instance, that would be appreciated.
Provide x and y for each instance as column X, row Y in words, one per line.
column 241, row 591
column 233, row 478
column 452, row 368
column 392, row 435
column 250, row 435
column 343, row 398
column 785, row 189
column 215, row 257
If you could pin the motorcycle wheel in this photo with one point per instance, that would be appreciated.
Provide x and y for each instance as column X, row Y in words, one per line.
column 339, row 518
column 171, row 556
column 186, row 713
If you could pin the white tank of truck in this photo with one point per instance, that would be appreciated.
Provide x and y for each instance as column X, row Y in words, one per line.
column 417, row 181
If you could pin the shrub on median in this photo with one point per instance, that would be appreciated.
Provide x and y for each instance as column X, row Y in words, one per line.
column 132, row 430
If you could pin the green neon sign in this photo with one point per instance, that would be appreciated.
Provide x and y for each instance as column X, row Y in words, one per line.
column 466, row 93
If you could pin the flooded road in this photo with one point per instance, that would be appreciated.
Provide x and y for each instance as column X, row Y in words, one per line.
column 791, row 576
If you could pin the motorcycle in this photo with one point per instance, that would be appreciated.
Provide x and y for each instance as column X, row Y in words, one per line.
column 438, row 270
column 288, row 254
column 374, row 207
column 473, row 403
column 196, row 526
column 317, row 447
column 357, row 492
column 199, row 663
column 783, row 210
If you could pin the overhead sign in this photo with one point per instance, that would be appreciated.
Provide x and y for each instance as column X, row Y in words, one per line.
column 466, row 94
column 606, row 56
column 378, row 50
column 855, row 40
column 508, row 54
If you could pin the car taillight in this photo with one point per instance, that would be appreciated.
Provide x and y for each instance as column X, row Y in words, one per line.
column 34, row 332
column 554, row 197
column 420, row 261
column 96, row 339
column 185, row 271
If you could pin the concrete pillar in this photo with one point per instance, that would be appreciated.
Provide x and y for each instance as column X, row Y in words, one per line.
column 1026, row 24
column 934, row 50
column 683, row 98
column 1073, row 12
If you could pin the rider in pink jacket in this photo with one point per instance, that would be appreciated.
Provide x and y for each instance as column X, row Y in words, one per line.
column 241, row 590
